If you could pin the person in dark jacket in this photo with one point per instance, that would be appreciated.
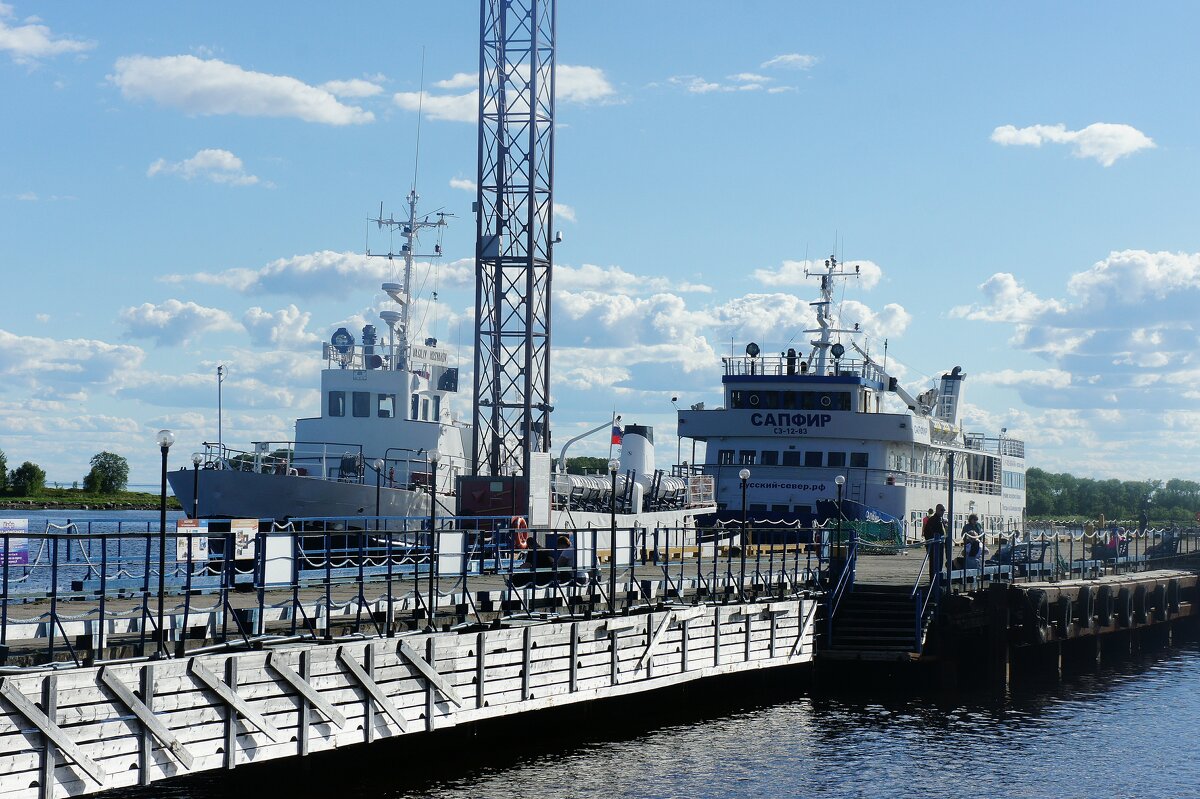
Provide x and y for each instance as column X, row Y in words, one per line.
column 934, row 533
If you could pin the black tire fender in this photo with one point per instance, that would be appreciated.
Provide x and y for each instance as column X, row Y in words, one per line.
column 1125, row 607
column 1159, row 597
column 1087, row 605
column 1066, row 614
column 1173, row 594
column 1105, row 605
column 1141, row 604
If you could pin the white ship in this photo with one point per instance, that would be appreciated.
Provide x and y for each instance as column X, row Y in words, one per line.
column 387, row 440
column 800, row 422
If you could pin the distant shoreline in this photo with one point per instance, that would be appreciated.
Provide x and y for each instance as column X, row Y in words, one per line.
column 50, row 503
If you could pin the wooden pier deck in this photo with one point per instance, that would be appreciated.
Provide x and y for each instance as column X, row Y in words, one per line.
column 83, row 730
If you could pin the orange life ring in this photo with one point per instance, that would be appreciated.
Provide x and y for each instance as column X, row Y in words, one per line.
column 520, row 532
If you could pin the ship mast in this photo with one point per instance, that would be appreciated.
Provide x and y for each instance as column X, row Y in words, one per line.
column 401, row 293
column 823, row 342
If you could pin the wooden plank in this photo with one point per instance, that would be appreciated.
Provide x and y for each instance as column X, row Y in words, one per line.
column 49, row 755
column 235, row 702
column 146, row 716
column 648, row 653
column 372, row 688
column 301, row 686
column 480, row 670
column 431, row 674
column 802, row 633
column 52, row 731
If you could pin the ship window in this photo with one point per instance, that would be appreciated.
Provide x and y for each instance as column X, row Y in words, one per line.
column 779, row 509
column 812, row 458
column 758, row 507
column 425, row 410
column 770, row 457
column 736, row 400
column 416, row 404
column 746, row 456
column 791, row 458
column 337, row 403
column 837, row 459
column 858, row 460
column 386, row 405
column 362, row 403
column 725, row 456
column 437, row 408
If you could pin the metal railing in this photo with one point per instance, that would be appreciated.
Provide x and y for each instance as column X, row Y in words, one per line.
column 78, row 593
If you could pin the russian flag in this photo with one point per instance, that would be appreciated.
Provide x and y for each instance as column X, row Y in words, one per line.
column 616, row 434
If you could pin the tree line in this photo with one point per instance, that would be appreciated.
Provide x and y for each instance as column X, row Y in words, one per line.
column 1062, row 494
column 109, row 474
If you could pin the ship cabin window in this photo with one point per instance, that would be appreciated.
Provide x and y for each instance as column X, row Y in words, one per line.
column 779, row 509
column 758, row 507
column 791, row 400
column 770, row 458
column 416, row 405
column 425, row 410
column 337, row 403
column 837, row 459
column 791, row 458
column 747, row 456
column 812, row 459
column 385, row 405
column 858, row 460
column 725, row 457
column 437, row 408
column 362, row 403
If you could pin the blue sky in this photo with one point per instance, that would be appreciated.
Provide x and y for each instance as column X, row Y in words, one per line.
column 186, row 184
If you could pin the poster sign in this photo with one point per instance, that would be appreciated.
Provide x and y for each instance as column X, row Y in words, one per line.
column 245, row 532
column 191, row 545
column 16, row 553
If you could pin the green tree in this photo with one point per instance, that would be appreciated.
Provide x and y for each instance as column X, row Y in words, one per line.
column 3, row 471
column 109, row 474
column 584, row 464
column 27, row 479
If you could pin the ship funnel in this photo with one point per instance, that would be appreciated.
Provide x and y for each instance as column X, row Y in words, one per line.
column 637, row 452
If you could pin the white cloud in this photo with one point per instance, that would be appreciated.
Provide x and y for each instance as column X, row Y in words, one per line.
column 564, row 211
column 29, row 42
column 580, row 84
column 282, row 329
column 1020, row 378
column 173, row 323
column 1103, row 141
column 749, row 77
column 216, row 166
column 352, row 88
column 463, row 184
column 792, row 273
column 205, row 87
column 461, row 80
column 1007, row 301
column 791, row 61
column 590, row 277
column 326, row 273
column 63, row 368
column 445, row 107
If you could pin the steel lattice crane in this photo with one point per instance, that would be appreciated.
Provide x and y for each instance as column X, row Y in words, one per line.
column 514, row 244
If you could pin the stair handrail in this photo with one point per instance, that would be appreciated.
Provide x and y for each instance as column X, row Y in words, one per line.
column 926, row 601
column 844, row 583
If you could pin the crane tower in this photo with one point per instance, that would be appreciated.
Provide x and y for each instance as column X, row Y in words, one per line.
column 513, row 249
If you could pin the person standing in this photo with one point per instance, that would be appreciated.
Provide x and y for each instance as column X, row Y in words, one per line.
column 934, row 533
column 972, row 538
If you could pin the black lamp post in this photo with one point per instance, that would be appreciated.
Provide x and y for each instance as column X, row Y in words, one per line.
column 196, row 458
column 220, row 427
column 613, row 465
column 744, row 475
column 378, row 464
column 840, row 481
column 434, row 457
column 165, row 439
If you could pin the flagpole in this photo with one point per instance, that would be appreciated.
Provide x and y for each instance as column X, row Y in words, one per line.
column 610, row 438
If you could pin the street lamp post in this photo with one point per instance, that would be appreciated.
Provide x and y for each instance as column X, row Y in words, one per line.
column 220, row 426
column 434, row 457
column 840, row 480
column 613, row 465
column 378, row 464
column 196, row 458
column 678, row 438
column 744, row 475
column 165, row 439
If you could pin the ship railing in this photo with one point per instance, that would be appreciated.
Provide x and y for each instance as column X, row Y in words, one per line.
column 1012, row 447
column 86, row 590
column 781, row 365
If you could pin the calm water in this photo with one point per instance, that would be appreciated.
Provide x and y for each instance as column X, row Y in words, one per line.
column 1131, row 731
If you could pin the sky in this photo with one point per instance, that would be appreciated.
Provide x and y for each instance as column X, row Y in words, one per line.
column 186, row 185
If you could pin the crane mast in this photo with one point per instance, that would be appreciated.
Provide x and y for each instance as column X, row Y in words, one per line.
column 514, row 244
